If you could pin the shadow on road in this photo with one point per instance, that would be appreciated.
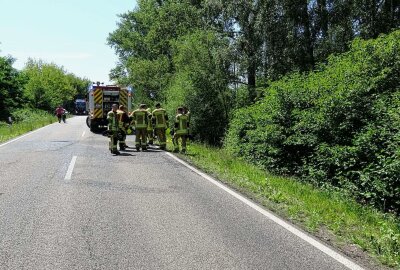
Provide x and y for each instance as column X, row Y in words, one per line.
column 124, row 155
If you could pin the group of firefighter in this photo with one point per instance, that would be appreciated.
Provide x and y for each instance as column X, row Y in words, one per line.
column 148, row 125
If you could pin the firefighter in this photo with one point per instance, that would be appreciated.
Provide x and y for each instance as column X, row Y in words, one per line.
column 150, row 133
column 140, row 120
column 160, row 119
column 180, row 130
column 113, row 128
column 123, row 124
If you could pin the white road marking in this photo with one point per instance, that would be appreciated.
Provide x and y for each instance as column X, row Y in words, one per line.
column 83, row 134
column 70, row 168
column 20, row 137
column 330, row 252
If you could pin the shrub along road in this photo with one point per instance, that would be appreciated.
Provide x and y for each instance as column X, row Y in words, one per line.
column 67, row 203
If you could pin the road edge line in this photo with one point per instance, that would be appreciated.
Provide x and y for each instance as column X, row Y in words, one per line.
column 302, row 235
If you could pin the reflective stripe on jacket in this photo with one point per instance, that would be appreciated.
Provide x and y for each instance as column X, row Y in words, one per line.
column 140, row 118
column 159, row 115
column 149, row 122
column 182, row 124
column 112, row 121
column 123, row 119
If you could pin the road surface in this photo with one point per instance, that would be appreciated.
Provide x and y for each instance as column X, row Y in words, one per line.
column 67, row 203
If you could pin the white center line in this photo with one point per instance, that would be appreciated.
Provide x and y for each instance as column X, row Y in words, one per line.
column 327, row 250
column 70, row 168
column 83, row 134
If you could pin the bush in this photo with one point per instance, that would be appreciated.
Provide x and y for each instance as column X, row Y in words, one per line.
column 200, row 83
column 27, row 115
column 339, row 125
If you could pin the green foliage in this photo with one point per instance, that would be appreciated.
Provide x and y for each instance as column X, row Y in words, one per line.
column 25, row 120
column 327, row 213
column 79, row 84
column 47, row 85
column 143, row 42
column 338, row 125
column 10, row 87
column 200, row 83
column 29, row 115
column 263, row 41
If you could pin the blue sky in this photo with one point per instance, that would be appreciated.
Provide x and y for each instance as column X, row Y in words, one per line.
column 69, row 33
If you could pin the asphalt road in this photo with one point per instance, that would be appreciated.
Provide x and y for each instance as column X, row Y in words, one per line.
column 67, row 203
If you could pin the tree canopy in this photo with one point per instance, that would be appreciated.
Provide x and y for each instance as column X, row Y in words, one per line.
column 162, row 46
column 38, row 85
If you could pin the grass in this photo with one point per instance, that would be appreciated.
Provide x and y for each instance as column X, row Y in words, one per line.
column 8, row 132
column 327, row 214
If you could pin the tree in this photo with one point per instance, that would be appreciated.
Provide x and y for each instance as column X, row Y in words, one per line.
column 201, row 83
column 143, row 43
column 47, row 85
column 10, row 87
column 238, row 19
column 373, row 17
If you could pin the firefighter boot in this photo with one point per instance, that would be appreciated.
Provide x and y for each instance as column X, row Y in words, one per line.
column 122, row 146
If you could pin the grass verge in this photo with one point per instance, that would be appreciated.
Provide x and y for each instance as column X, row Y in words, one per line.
column 328, row 214
column 8, row 132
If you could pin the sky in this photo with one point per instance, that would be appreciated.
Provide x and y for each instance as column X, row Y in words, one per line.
column 69, row 33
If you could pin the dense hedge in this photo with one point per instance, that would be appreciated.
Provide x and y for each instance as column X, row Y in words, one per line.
column 339, row 125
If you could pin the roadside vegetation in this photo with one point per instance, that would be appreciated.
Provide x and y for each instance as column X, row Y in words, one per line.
column 304, row 89
column 327, row 213
column 25, row 120
column 32, row 93
column 28, row 97
column 337, row 126
column 309, row 90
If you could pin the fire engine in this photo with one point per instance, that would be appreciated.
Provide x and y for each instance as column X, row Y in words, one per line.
column 100, row 100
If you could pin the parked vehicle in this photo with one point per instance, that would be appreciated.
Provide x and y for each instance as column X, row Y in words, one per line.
column 100, row 98
column 80, row 107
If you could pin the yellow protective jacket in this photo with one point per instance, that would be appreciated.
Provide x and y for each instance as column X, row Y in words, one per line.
column 123, row 119
column 112, row 118
column 149, row 122
column 160, row 118
column 140, row 118
column 182, row 124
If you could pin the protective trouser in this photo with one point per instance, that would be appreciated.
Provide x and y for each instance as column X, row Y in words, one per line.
column 175, row 140
column 122, row 144
column 162, row 139
column 150, row 135
column 141, row 138
column 113, row 128
column 113, row 142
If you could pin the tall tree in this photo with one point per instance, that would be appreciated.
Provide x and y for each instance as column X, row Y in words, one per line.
column 10, row 87
column 143, row 43
column 374, row 17
column 238, row 19
column 201, row 83
column 47, row 85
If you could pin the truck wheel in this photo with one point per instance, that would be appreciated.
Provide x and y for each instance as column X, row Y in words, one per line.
column 88, row 121
column 93, row 128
